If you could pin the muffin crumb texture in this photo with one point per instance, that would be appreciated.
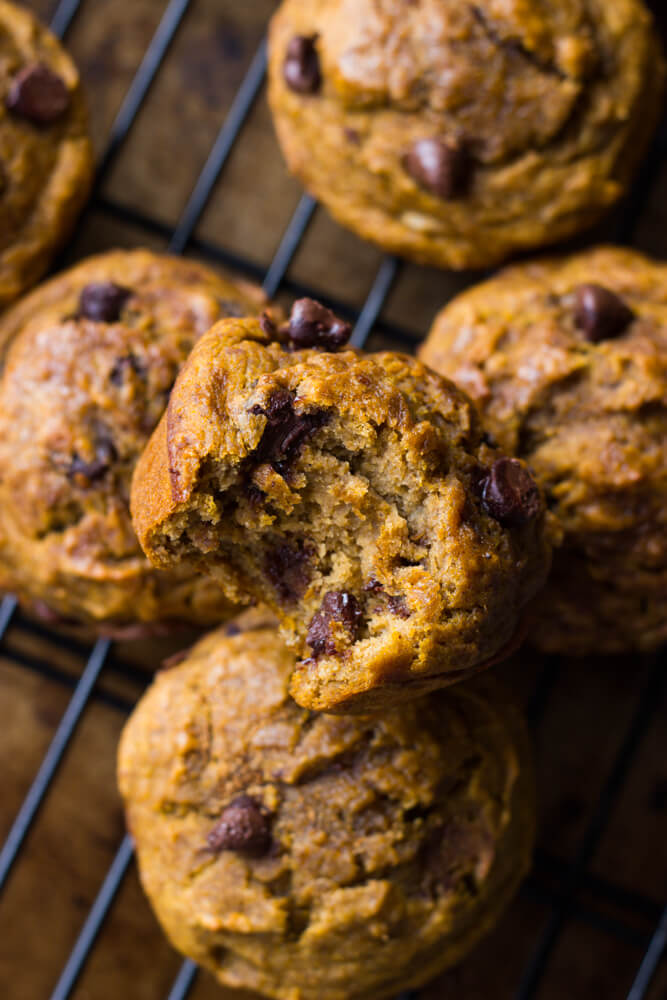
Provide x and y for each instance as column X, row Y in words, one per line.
column 354, row 495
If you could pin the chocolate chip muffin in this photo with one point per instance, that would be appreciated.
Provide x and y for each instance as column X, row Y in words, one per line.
column 92, row 358
column 457, row 134
column 319, row 857
column 351, row 493
column 46, row 162
column 568, row 361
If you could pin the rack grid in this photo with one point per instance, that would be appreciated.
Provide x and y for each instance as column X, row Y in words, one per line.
column 561, row 885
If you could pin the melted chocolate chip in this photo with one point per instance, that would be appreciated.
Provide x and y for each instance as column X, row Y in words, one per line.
column 123, row 366
column 509, row 493
column 600, row 314
column 83, row 472
column 398, row 606
column 232, row 629
column 439, row 167
column 301, row 68
column 103, row 301
column 285, row 430
column 38, row 94
column 337, row 606
column 244, row 826
column 287, row 569
column 313, row 325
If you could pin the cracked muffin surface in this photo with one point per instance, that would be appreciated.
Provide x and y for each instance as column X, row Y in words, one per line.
column 317, row 857
column 46, row 160
column 459, row 133
column 90, row 360
column 567, row 360
column 355, row 496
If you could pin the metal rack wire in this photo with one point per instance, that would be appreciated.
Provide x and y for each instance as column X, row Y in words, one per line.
column 571, row 877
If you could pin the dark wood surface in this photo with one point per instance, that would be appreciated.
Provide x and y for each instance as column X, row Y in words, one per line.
column 588, row 711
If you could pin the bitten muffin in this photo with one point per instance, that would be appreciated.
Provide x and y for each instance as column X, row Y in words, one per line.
column 457, row 134
column 568, row 361
column 92, row 358
column 351, row 493
column 318, row 857
column 46, row 161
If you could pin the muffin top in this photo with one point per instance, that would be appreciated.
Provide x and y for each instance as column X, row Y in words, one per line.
column 45, row 153
column 270, row 838
column 457, row 133
column 90, row 360
column 567, row 360
column 355, row 495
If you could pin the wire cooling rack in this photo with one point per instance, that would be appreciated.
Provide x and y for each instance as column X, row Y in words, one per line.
column 573, row 893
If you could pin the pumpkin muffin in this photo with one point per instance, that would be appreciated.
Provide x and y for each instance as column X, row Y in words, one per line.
column 567, row 360
column 318, row 857
column 92, row 357
column 46, row 161
column 457, row 134
column 351, row 493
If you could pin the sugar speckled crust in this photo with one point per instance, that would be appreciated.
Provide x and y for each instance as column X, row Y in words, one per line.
column 553, row 103
column 367, row 534
column 45, row 169
column 78, row 401
column 389, row 844
column 590, row 418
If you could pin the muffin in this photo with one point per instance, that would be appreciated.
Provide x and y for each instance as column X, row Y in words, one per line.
column 319, row 857
column 567, row 360
column 91, row 360
column 457, row 134
column 354, row 495
column 46, row 161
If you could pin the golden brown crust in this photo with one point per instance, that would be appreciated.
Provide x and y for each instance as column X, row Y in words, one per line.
column 344, row 491
column 47, row 167
column 79, row 398
column 391, row 842
column 590, row 418
column 552, row 103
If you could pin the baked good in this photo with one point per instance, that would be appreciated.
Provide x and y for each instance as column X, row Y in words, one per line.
column 46, row 160
column 457, row 134
column 316, row 857
column 567, row 360
column 92, row 358
column 351, row 493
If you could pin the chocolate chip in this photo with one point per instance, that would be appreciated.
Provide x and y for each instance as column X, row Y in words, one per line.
column 288, row 570
column 103, row 301
column 600, row 314
column 398, row 606
column 268, row 326
column 124, row 365
column 337, row 606
column 439, row 167
column 84, row 472
column 285, row 431
column 352, row 135
column 232, row 629
column 38, row 94
column 301, row 68
column 313, row 325
column 244, row 826
column 509, row 493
